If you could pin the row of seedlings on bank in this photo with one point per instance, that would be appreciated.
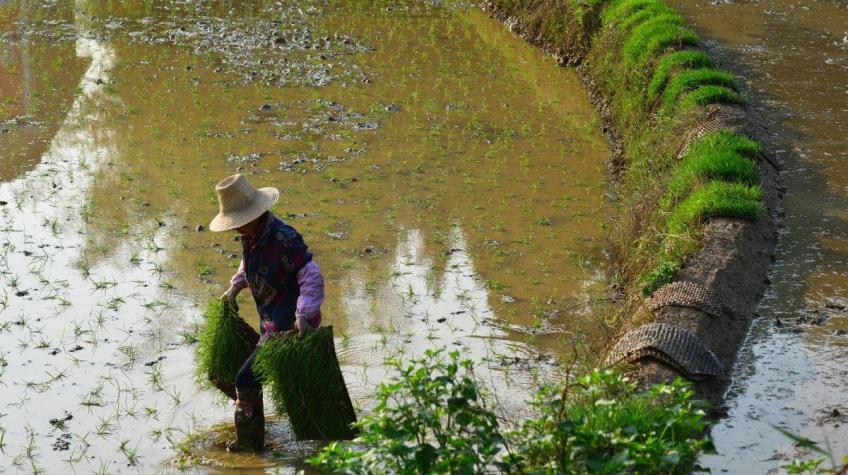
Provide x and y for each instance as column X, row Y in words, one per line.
column 660, row 83
column 655, row 83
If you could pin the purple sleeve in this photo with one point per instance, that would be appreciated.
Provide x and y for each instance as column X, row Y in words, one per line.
column 311, row 290
column 239, row 280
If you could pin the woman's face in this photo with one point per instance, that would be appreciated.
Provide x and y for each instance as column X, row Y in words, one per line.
column 250, row 228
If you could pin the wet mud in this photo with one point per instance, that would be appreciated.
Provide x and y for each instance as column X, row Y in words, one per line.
column 791, row 373
column 448, row 177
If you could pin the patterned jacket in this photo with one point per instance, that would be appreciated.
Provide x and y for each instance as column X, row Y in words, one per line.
column 284, row 280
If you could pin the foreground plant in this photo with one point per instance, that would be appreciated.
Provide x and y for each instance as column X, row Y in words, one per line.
column 815, row 465
column 432, row 418
column 601, row 423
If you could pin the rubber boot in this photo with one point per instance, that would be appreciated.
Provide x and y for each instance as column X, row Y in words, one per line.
column 250, row 420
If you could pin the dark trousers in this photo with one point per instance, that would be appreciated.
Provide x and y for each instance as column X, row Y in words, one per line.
column 245, row 378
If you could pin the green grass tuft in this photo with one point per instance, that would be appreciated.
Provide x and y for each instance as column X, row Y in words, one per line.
column 672, row 62
column 653, row 37
column 621, row 9
column 690, row 80
column 724, row 140
column 641, row 16
column 720, row 155
column 305, row 380
column 716, row 198
column 660, row 275
column 222, row 345
column 709, row 94
column 714, row 165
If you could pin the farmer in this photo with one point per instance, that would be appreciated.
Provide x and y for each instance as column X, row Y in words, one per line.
column 286, row 284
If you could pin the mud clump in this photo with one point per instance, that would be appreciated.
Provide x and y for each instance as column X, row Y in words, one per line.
column 62, row 443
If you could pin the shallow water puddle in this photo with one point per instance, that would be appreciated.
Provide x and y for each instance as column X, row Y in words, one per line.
column 448, row 177
column 793, row 372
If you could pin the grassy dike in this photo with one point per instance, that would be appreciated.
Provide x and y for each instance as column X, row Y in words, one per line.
column 654, row 84
column 700, row 196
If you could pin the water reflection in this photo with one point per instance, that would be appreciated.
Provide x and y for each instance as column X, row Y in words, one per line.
column 31, row 75
column 431, row 301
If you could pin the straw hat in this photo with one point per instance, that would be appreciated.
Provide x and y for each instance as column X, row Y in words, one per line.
column 240, row 203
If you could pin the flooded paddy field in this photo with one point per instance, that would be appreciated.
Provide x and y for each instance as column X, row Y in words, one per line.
column 448, row 177
column 793, row 372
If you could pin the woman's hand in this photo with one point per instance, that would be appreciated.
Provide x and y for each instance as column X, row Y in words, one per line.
column 302, row 325
column 230, row 295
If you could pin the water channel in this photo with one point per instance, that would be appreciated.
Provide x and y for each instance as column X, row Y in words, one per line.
column 448, row 177
column 794, row 369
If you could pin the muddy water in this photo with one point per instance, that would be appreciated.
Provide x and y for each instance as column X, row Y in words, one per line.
column 794, row 370
column 448, row 177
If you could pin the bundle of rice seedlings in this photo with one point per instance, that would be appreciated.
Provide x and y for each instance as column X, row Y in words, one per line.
column 305, row 380
column 223, row 346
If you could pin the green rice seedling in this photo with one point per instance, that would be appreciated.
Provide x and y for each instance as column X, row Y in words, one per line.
column 104, row 284
column 724, row 140
column 115, row 303
column 693, row 79
column 709, row 94
column 189, row 337
column 716, row 198
column 155, row 374
column 94, row 397
column 129, row 453
column 719, row 165
column 175, row 395
column 203, row 268
column 720, row 155
column 224, row 344
column 84, row 267
column 652, row 37
column 43, row 343
column 131, row 353
column 30, row 446
column 634, row 19
column 672, row 62
column 623, row 8
column 103, row 468
column 305, row 380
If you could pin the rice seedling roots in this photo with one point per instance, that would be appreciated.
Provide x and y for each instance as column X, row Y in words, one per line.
column 635, row 50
